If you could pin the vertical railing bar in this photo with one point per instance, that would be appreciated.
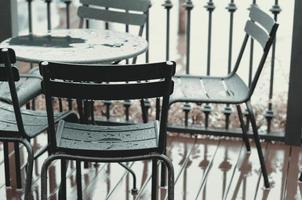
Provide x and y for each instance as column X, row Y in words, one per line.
column 210, row 8
column 231, row 8
column 106, row 23
column 207, row 109
column 269, row 115
column 250, row 69
column 147, row 35
column 188, row 6
column 30, row 27
column 30, row 30
column 127, row 103
column 168, row 5
column 67, row 2
column 48, row 14
column 146, row 102
column 127, row 31
column 127, row 25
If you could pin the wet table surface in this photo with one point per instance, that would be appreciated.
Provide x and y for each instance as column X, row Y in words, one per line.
column 76, row 46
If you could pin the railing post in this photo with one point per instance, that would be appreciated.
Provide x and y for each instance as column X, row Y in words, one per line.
column 294, row 106
column 231, row 9
column 210, row 8
column 168, row 5
column 207, row 109
column 188, row 5
column 251, row 63
column 67, row 3
column 48, row 2
column 29, row 10
column 269, row 115
column 8, row 19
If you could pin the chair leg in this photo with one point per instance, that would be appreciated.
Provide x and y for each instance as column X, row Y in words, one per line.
column 163, row 175
column 79, row 180
column 18, row 165
column 62, row 190
column 244, row 130
column 154, row 194
column 300, row 177
column 134, row 190
column 29, row 170
column 44, row 168
column 6, row 164
column 258, row 145
column 170, row 171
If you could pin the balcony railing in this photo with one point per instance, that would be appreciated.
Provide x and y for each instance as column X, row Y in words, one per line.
column 203, row 36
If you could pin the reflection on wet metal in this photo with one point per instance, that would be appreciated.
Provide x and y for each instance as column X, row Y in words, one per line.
column 45, row 41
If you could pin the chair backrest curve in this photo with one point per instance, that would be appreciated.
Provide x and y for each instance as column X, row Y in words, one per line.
column 128, row 12
column 108, row 82
column 262, row 29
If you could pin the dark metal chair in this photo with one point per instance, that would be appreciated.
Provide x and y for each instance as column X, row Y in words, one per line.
column 232, row 89
column 96, row 143
column 27, row 88
column 131, row 13
column 19, row 125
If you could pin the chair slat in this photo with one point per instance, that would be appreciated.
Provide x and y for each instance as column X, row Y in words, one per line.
column 257, row 33
column 262, row 18
column 107, row 91
column 106, row 73
column 135, row 5
column 112, row 16
column 4, row 74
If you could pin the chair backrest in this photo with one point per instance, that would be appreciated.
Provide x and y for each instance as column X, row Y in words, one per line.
column 129, row 12
column 108, row 82
column 10, row 74
column 261, row 28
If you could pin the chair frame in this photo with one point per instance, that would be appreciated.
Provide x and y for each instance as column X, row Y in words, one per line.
column 10, row 74
column 95, row 82
column 7, row 56
column 262, row 28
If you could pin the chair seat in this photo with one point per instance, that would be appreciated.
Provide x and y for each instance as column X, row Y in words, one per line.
column 204, row 89
column 28, row 87
column 107, row 141
column 34, row 122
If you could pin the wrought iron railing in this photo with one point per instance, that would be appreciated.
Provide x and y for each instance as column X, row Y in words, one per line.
column 184, row 10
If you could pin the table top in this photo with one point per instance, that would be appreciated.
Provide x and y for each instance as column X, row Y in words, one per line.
column 76, row 46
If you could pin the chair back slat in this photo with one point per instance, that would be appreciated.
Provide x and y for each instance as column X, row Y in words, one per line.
column 135, row 5
column 262, row 28
column 107, row 82
column 262, row 18
column 108, row 91
column 4, row 74
column 257, row 33
column 106, row 73
column 112, row 16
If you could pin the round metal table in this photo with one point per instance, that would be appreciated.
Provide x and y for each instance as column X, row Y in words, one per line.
column 76, row 46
